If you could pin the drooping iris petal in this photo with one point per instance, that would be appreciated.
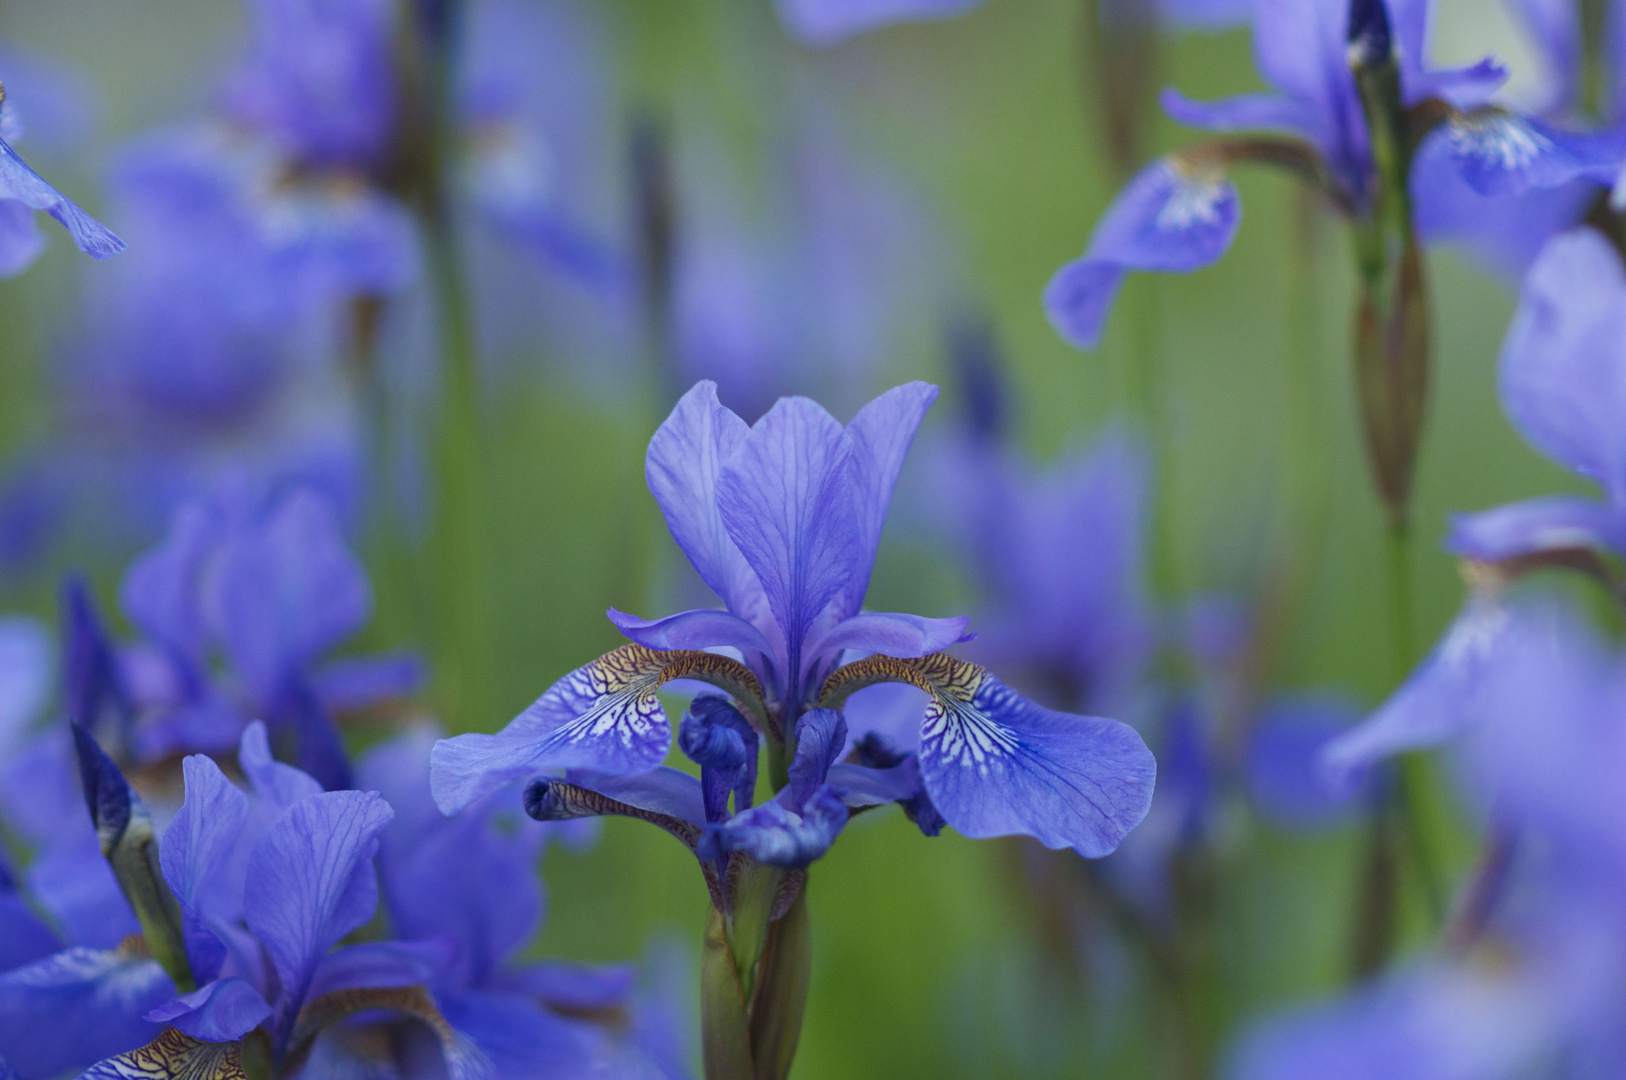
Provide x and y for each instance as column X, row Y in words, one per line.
column 863, row 786
column 996, row 763
column 385, row 963
column 701, row 628
column 1451, row 687
column 1245, row 112
column 1562, row 381
column 1168, row 219
column 1502, row 154
column 356, row 682
column 173, row 1054
column 820, row 736
column 1285, row 778
column 19, row 183
column 826, row 22
column 685, row 457
column 313, row 882
column 1554, row 523
column 76, row 1007
column 881, row 435
column 785, row 497
column 289, row 590
column 220, row 1011
column 519, row 1038
column 604, row 715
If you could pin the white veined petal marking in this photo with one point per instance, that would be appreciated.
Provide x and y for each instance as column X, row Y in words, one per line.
column 963, row 732
column 1500, row 140
column 1193, row 202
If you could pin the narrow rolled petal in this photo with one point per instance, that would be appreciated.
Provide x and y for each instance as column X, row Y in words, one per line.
column 1499, row 153
column 22, row 184
column 1562, row 382
column 820, row 737
column 1171, row 218
column 564, row 800
column 785, row 497
column 220, row 1011
column 313, row 881
column 881, row 435
column 778, row 835
column 685, row 457
column 890, row 633
column 827, row 22
column 72, row 1009
column 1534, row 527
column 996, row 763
column 702, row 628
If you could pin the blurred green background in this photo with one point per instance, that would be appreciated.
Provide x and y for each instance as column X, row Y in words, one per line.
column 926, row 963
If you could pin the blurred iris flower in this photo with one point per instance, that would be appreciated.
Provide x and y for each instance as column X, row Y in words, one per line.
column 1529, row 973
column 1337, row 69
column 22, row 191
column 268, row 585
column 828, row 22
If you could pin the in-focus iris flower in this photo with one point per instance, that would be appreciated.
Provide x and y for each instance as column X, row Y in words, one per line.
column 782, row 519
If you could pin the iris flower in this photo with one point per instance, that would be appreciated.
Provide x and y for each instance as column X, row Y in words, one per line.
column 22, row 191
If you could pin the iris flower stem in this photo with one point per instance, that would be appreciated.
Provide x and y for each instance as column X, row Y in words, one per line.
column 456, row 555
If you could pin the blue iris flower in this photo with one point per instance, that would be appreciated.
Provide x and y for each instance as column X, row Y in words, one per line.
column 827, row 22
column 22, row 191
column 1182, row 212
column 268, row 584
column 783, row 519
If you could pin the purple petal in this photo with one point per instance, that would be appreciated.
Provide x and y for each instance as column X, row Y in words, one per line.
column 576, row 987
column 198, row 843
column 827, row 22
column 785, row 497
column 881, row 434
column 24, row 936
column 662, row 790
column 25, row 679
column 362, row 681
column 1554, row 523
column 863, row 786
column 383, row 964
column 685, row 457
column 313, row 883
column 22, row 184
column 996, row 763
column 74, row 884
column 891, row 634
column 889, row 710
column 1465, row 88
column 1246, row 112
column 1554, row 28
column 1561, row 380
column 520, row 1038
column 1284, row 773
column 604, row 715
column 222, row 1011
column 289, row 590
column 821, row 735
column 162, row 592
column 1502, row 154
column 1169, row 219
column 701, row 628
column 778, row 835
column 278, row 785
column 65, row 1012
column 1442, row 696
